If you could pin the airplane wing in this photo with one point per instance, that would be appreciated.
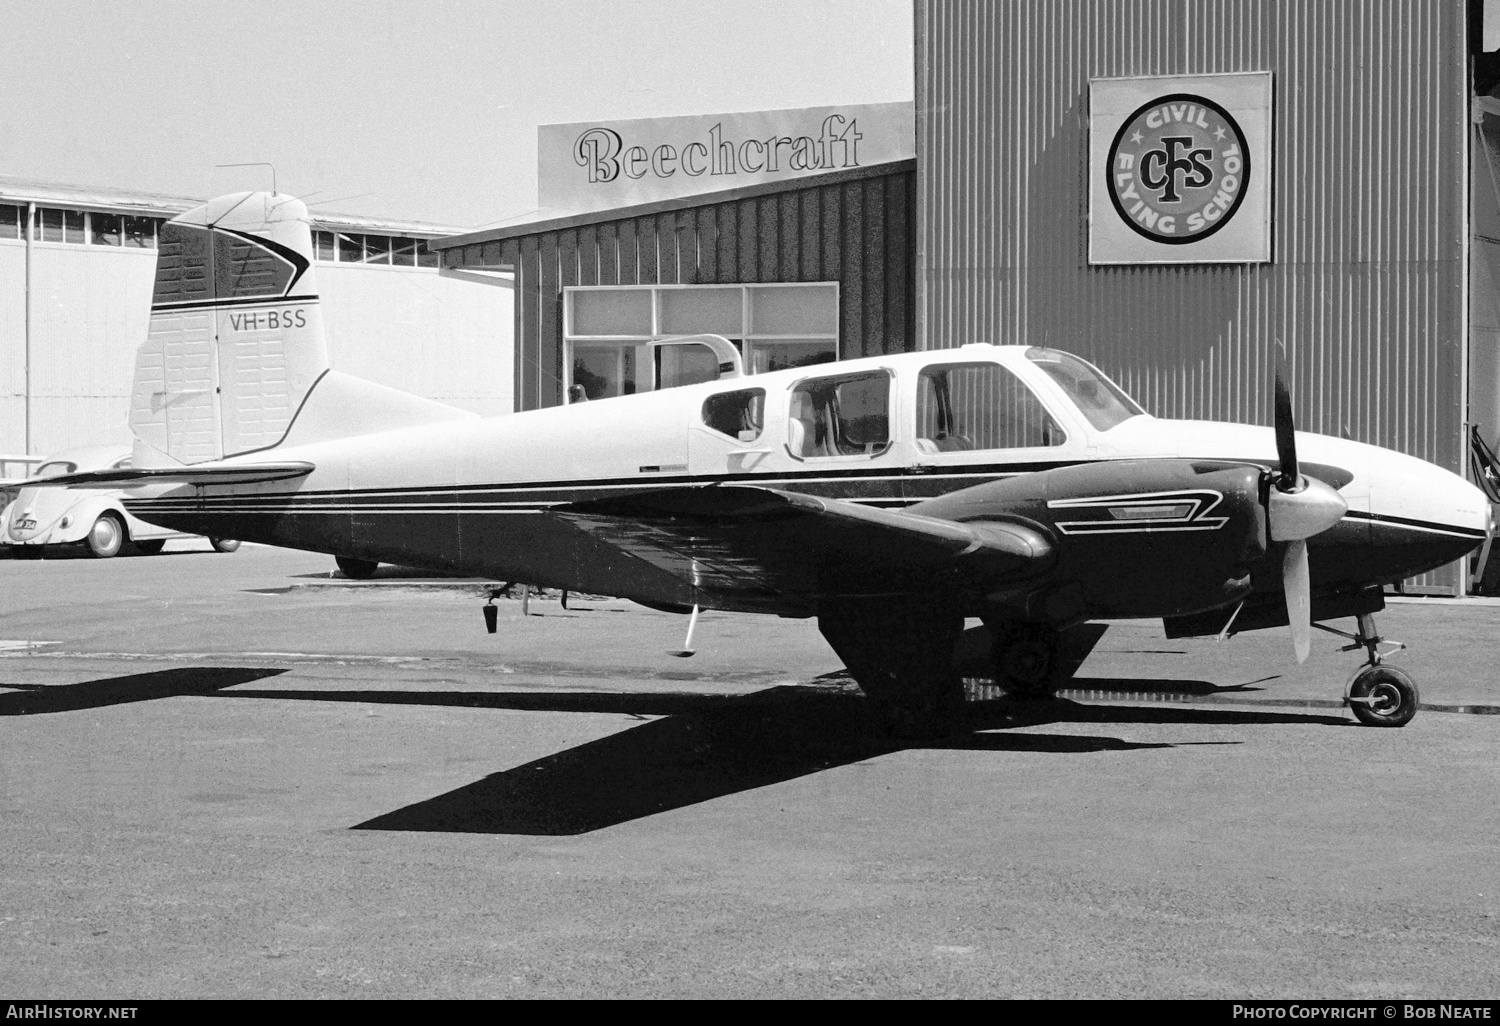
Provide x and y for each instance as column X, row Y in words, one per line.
column 200, row 474
column 757, row 547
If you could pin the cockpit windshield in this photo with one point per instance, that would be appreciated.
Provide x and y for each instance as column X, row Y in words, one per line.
column 1097, row 398
column 57, row 468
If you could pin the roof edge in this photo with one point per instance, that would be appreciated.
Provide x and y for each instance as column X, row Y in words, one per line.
column 662, row 206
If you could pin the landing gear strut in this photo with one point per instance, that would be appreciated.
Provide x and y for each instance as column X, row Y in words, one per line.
column 1380, row 695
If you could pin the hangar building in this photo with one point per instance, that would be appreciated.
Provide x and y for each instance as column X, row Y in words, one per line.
column 1169, row 188
column 75, row 296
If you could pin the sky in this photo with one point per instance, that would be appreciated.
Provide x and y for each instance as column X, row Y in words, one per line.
column 408, row 109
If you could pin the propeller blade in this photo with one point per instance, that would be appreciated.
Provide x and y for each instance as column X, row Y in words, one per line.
column 1286, row 439
column 1297, row 584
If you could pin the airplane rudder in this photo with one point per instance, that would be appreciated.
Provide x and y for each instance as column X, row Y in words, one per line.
column 236, row 341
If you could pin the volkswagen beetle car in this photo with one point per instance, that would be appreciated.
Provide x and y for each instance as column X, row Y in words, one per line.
column 93, row 518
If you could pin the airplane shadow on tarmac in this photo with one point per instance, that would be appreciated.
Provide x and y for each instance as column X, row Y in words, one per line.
column 700, row 748
column 707, row 747
column 35, row 699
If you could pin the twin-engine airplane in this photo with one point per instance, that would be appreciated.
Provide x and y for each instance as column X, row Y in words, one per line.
column 889, row 497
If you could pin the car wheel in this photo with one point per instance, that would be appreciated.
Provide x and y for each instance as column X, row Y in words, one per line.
column 106, row 537
column 359, row 569
column 224, row 544
column 150, row 548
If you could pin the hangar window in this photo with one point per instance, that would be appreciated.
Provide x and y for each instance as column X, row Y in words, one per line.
column 377, row 249
column 51, row 225
column 740, row 414
column 848, row 415
column 963, row 406
column 12, row 222
column 774, row 325
column 369, row 248
column 140, row 232
column 104, row 229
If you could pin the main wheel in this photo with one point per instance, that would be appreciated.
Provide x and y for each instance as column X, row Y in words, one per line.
column 1026, row 659
column 224, row 544
column 359, row 569
column 150, row 548
column 1383, row 696
column 106, row 537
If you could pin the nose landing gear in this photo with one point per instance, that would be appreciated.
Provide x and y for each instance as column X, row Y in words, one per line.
column 1379, row 695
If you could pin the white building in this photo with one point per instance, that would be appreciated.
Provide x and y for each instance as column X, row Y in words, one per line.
column 75, row 297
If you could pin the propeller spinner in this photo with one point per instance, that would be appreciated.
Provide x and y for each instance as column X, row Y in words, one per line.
column 1297, row 508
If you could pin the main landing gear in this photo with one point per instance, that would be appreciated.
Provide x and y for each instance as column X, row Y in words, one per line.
column 900, row 651
column 1380, row 695
column 1026, row 658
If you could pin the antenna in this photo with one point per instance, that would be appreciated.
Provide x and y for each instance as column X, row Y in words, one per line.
column 257, row 163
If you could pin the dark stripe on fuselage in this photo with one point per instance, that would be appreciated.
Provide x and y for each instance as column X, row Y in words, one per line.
column 1421, row 525
column 881, row 485
column 210, row 304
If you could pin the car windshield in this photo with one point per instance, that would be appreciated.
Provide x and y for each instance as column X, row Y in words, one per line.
column 57, row 468
column 1097, row 398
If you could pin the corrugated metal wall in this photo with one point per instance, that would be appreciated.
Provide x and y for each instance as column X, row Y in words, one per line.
column 1367, row 286
column 858, row 231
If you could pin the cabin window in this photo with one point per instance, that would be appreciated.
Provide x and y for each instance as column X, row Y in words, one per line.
column 847, row 415
column 740, row 415
column 963, row 406
column 1097, row 398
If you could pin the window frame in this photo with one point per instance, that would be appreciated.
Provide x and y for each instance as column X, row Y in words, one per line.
column 747, row 340
column 1063, row 420
column 892, row 418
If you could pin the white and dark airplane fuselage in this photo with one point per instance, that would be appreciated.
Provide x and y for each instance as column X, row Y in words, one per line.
column 478, row 496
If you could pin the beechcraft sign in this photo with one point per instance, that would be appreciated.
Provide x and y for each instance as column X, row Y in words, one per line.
column 1180, row 169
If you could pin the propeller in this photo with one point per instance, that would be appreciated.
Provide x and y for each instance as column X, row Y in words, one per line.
column 1297, row 508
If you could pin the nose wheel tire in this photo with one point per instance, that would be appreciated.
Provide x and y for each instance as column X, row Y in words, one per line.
column 105, row 538
column 1383, row 696
column 224, row 544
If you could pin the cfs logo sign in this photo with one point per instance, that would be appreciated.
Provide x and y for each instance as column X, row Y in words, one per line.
column 1178, row 168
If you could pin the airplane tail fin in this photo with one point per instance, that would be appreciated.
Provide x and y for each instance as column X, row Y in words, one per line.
column 235, row 355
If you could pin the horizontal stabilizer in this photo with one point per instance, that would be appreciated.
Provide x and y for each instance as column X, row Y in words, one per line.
column 201, row 474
